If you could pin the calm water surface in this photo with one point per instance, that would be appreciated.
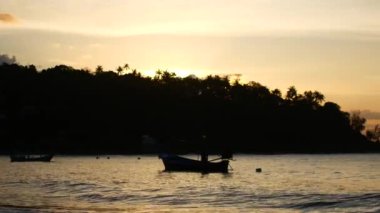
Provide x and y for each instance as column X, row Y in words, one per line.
column 288, row 183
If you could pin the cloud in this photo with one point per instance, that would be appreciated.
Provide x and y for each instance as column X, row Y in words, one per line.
column 370, row 114
column 7, row 18
column 6, row 59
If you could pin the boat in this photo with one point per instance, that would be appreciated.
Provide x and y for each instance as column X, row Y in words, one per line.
column 178, row 163
column 31, row 158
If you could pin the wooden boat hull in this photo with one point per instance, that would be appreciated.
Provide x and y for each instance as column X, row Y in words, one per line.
column 176, row 163
column 31, row 158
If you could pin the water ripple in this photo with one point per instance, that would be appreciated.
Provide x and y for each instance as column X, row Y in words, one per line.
column 318, row 183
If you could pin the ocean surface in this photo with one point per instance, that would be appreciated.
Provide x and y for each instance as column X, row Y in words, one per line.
column 287, row 183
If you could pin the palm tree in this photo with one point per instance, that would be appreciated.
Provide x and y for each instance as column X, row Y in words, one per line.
column 126, row 67
column 119, row 70
column 135, row 73
column 99, row 69
column 158, row 75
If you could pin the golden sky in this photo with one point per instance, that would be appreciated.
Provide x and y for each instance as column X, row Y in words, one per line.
column 332, row 46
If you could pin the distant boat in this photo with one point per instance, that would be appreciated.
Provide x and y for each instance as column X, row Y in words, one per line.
column 177, row 163
column 31, row 158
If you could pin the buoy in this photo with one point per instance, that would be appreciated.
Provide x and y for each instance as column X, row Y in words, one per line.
column 138, row 158
column 258, row 170
column 108, row 157
column 97, row 157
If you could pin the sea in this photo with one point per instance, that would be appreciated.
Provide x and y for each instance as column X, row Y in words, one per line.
column 137, row 183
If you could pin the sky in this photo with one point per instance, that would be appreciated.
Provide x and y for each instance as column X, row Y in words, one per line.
column 332, row 46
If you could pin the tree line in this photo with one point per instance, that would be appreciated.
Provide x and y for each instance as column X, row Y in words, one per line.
column 66, row 110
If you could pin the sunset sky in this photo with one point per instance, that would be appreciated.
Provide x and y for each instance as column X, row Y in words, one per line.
column 332, row 46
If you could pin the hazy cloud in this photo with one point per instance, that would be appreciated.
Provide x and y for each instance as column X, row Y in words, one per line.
column 370, row 114
column 7, row 18
column 4, row 58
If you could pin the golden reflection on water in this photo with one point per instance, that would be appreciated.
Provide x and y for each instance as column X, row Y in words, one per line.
column 125, row 184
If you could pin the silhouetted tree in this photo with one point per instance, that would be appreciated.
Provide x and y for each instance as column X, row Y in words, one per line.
column 357, row 122
column 126, row 67
column 99, row 69
column 119, row 70
column 76, row 111
column 277, row 92
column 315, row 98
column 7, row 59
column 291, row 94
column 374, row 134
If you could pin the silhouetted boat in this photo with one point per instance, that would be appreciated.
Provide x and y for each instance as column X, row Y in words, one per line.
column 177, row 163
column 31, row 158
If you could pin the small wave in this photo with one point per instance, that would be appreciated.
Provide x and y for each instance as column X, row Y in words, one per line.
column 119, row 182
column 371, row 195
column 315, row 204
column 98, row 198
column 52, row 208
column 92, row 197
column 337, row 201
column 68, row 186
column 81, row 184
column 4, row 208
column 151, row 190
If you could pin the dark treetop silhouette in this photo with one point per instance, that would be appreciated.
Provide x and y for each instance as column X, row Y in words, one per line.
column 67, row 110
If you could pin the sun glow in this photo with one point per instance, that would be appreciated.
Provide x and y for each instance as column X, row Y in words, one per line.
column 308, row 44
column 182, row 73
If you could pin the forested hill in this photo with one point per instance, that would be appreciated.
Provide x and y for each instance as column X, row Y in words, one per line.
column 66, row 110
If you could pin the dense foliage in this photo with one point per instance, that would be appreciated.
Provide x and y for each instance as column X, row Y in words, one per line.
column 67, row 110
